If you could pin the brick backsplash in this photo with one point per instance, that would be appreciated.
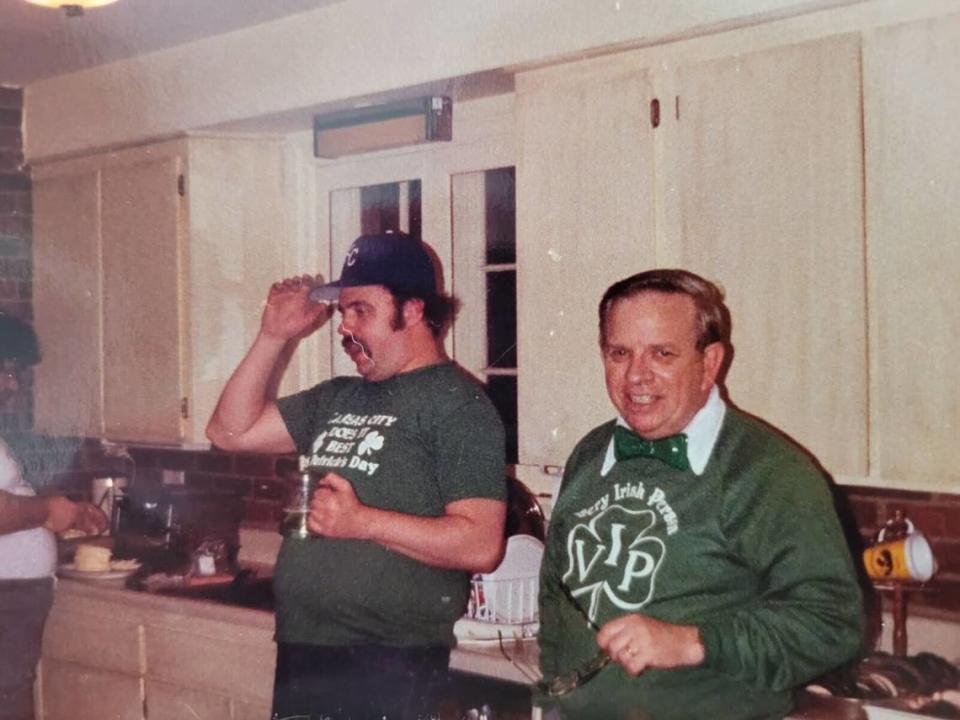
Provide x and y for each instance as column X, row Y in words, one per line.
column 69, row 464
column 259, row 479
column 937, row 516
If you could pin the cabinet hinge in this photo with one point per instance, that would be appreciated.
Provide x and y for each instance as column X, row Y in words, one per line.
column 655, row 113
column 184, row 408
column 181, row 185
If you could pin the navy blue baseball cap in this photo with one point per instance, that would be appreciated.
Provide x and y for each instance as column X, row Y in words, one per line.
column 392, row 259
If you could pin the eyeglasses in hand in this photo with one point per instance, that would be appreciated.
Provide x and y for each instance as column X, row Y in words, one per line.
column 568, row 682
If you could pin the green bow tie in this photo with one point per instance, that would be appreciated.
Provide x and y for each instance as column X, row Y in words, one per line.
column 671, row 450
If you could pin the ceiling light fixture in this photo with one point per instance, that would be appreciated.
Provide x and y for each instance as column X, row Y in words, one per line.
column 72, row 8
column 378, row 127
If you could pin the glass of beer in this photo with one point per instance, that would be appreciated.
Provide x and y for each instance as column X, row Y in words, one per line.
column 294, row 524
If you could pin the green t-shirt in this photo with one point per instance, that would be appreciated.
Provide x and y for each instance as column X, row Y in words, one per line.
column 751, row 552
column 412, row 444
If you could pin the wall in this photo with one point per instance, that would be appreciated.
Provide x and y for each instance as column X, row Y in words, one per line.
column 15, row 225
column 256, row 477
column 48, row 462
column 163, row 93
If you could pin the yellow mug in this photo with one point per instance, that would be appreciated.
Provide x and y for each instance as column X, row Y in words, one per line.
column 906, row 558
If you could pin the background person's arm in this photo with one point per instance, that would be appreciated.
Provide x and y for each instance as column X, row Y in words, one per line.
column 21, row 513
column 55, row 513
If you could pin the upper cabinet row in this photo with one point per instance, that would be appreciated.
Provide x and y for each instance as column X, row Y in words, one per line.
column 815, row 178
column 151, row 269
column 817, row 182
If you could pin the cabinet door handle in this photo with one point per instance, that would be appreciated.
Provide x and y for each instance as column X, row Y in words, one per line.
column 655, row 112
column 184, row 408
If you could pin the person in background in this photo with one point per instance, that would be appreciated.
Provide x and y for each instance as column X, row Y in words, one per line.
column 28, row 549
column 692, row 544
column 413, row 500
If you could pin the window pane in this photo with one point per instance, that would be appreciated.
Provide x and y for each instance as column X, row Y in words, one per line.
column 501, row 216
column 502, row 390
column 502, row 319
column 380, row 209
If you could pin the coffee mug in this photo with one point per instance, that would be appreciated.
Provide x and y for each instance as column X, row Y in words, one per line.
column 906, row 558
column 104, row 492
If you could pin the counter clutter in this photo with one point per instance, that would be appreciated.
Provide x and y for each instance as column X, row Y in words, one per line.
column 924, row 684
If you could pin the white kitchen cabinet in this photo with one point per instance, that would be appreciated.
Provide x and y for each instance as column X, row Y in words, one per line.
column 767, row 182
column 73, row 691
column 753, row 178
column 68, row 397
column 584, row 219
column 195, row 657
column 912, row 102
column 111, row 653
column 141, row 250
column 92, row 663
column 168, row 251
column 172, row 702
column 165, row 658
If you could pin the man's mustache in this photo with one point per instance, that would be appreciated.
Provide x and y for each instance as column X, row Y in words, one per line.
column 353, row 340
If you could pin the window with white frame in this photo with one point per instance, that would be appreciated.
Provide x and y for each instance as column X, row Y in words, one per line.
column 484, row 271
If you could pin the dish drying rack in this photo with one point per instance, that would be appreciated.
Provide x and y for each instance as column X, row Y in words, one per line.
column 503, row 604
column 510, row 601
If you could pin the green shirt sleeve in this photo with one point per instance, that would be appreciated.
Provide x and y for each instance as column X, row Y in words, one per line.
column 808, row 616
column 298, row 412
column 470, row 452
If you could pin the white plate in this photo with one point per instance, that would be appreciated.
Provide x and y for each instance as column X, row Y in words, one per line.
column 881, row 713
column 70, row 571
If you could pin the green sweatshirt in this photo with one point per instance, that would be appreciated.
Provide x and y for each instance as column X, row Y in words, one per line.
column 751, row 552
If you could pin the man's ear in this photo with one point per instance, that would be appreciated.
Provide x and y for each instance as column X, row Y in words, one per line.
column 413, row 311
column 713, row 355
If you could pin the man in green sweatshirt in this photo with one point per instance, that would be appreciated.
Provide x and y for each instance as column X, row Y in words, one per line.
column 691, row 544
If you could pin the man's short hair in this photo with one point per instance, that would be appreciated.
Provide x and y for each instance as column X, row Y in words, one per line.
column 18, row 341
column 713, row 317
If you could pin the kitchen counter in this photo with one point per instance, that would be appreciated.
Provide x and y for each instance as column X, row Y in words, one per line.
column 514, row 660
column 224, row 654
column 110, row 651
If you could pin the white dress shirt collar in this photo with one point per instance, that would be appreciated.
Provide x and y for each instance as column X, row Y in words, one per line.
column 702, row 432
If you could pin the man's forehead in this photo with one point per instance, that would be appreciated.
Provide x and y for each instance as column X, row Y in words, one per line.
column 671, row 315
column 363, row 293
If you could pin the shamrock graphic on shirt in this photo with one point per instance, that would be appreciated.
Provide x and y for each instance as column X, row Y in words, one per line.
column 371, row 441
column 614, row 558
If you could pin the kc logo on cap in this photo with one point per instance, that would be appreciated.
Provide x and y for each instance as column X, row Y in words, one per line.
column 352, row 255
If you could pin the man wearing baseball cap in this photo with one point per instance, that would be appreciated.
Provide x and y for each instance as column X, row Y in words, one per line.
column 412, row 502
